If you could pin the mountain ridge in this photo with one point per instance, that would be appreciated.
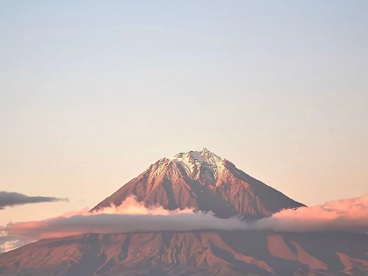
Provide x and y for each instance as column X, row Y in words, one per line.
column 205, row 182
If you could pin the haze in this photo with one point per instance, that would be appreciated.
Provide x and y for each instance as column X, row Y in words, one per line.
column 92, row 93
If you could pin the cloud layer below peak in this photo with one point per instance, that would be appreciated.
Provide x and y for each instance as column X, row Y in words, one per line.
column 132, row 216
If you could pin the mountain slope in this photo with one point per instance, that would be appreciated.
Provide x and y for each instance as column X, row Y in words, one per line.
column 203, row 181
column 192, row 253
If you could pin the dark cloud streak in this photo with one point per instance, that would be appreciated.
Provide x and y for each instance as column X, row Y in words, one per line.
column 10, row 199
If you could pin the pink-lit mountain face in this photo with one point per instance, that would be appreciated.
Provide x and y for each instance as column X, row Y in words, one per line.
column 205, row 182
column 195, row 253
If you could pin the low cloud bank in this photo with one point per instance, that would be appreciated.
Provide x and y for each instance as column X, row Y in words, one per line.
column 132, row 216
column 349, row 215
column 9, row 199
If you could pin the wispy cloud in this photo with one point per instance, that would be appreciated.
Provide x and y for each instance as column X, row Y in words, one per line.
column 10, row 242
column 9, row 199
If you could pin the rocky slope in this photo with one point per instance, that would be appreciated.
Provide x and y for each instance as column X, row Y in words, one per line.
column 203, row 181
column 192, row 253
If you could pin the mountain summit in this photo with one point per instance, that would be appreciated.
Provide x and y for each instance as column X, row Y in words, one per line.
column 206, row 182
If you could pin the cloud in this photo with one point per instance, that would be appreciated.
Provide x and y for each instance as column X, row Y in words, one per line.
column 339, row 215
column 8, row 199
column 132, row 216
column 10, row 242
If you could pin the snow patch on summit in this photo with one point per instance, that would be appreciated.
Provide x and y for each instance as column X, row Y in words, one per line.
column 196, row 162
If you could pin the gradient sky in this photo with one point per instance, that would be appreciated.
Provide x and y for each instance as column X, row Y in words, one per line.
column 93, row 92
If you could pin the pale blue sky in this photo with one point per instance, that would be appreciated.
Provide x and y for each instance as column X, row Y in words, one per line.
column 92, row 92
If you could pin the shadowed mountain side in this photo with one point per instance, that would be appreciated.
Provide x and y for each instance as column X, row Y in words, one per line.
column 205, row 182
column 192, row 253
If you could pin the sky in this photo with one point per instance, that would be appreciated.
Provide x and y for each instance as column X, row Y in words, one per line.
column 92, row 93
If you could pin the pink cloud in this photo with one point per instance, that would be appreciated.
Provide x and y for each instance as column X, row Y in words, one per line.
column 340, row 215
column 133, row 216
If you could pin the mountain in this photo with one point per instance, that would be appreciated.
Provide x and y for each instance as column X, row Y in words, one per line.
column 203, row 181
column 192, row 253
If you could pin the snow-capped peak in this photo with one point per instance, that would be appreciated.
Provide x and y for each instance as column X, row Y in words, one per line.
column 204, row 156
column 193, row 161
